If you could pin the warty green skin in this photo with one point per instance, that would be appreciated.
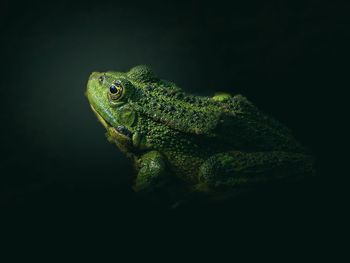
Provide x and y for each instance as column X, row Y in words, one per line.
column 210, row 144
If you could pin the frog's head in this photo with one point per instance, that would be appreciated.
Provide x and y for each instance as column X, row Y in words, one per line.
column 110, row 95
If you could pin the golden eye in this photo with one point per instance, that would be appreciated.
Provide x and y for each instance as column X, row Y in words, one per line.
column 116, row 91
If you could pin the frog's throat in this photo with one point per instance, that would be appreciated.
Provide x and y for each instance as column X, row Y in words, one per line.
column 113, row 132
column 100, row 119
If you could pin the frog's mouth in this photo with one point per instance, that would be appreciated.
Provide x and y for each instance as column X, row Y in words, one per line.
column 120, row 130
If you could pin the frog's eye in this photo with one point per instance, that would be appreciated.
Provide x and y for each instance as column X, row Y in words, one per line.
column 116, row 91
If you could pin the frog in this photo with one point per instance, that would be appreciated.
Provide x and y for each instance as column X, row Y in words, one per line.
column 204, row 144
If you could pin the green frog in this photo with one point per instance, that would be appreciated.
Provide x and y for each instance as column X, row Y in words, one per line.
column 203, row 144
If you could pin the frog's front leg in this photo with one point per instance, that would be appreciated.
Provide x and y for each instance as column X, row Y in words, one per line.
column 235, row 168
column 151, row 171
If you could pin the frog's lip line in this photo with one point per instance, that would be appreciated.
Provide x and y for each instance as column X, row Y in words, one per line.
column 106, row 124
column 100, row 118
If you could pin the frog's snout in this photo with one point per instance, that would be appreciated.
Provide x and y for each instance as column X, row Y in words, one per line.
column 94, row 75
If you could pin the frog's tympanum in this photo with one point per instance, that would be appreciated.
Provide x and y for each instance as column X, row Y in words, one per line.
column 206, row 144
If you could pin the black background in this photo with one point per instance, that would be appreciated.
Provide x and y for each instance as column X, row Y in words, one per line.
column 286, row 57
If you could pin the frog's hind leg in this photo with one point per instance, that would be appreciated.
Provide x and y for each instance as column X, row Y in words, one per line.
column 235, row 168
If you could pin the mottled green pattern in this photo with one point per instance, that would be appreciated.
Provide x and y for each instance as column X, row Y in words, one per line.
column 210, row 143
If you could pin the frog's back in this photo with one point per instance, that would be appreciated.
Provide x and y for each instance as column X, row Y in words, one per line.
column 230, row 124
column 244, row 127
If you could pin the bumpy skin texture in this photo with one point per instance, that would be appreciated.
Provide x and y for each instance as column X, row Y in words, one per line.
column 210, row 144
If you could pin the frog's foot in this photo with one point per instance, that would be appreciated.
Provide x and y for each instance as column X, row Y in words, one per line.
column 236, row 169
column 151, row 171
